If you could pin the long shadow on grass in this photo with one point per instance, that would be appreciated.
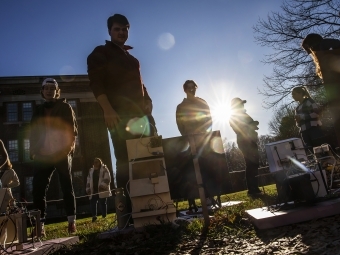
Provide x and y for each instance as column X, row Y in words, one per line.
column 153, row 239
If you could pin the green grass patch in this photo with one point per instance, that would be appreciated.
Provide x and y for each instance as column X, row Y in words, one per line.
column 165, row 238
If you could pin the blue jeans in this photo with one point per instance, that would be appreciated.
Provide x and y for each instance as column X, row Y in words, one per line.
column 102, row 203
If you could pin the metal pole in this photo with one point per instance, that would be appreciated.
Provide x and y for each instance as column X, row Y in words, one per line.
column 199, row 181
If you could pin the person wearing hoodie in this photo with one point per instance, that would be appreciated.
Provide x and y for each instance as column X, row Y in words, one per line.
column 52, row 141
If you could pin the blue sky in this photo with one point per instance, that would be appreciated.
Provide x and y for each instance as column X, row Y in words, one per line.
column 211, row 42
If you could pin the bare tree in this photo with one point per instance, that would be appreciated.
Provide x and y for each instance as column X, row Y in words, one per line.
column 262, row 141
column 234, row 157
column 283, row 32
column 282, row 125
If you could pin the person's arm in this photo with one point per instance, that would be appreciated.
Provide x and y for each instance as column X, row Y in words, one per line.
column 88, row 187
column 3, row 153
column 110, row 115
column 72, row 129
column 208, row 122
column 96, row 68
column 14, row 182
column 147, row 101
column 107, row 179
column 179, row 121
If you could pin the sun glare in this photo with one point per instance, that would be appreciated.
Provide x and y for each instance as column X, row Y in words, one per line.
column 220, row 112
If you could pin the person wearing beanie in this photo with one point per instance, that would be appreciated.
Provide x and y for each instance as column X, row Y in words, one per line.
column 52, row 141
column 116, row 83
column 245, row 128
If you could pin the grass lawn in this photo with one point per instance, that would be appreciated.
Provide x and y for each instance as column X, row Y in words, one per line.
column 163, row 239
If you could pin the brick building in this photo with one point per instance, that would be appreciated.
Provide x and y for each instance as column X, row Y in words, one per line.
column 18, row 98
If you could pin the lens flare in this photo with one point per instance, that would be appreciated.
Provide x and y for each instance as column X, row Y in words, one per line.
column 216, row 145
column 299, row 164
column 67, row 73
column 139, row 126
column 166, row 41
column 56, row 142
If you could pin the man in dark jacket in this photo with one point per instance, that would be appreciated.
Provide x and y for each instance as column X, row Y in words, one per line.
column 245, row 128
column 52, row 141
column 116, row 83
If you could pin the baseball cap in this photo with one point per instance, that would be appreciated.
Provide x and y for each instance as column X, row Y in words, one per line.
column 50, row 81
column 235, row 102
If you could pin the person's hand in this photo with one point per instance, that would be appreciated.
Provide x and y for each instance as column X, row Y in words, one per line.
column 111, row 118
column 148, row 106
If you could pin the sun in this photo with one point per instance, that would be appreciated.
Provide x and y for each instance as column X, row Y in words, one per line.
column 220, row 112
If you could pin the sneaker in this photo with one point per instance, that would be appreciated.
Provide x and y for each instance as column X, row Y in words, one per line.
column 72, row 228
column 94, row 218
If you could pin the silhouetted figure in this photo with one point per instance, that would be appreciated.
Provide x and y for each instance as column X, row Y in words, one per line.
column 307, row 116
column 116, row 83
column 245, row 128
column 52, row 142
column 192, row 117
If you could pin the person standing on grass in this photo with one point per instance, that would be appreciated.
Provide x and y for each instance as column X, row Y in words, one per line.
column 245, row 128
column 117, row 85
column 307, row 116
column 52, row 142
column 192, row 117
column 98, row 187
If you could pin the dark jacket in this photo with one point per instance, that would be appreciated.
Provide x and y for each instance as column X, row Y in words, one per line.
column 62, row 121
column 114, row 72
column 244, row 126
column 193, row 116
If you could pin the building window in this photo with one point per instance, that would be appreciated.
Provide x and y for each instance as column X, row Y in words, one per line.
column 73, row 104
column 13, row 150
column 26, row 150
column 12, row 112
column 26, row 111
column 29, row 188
